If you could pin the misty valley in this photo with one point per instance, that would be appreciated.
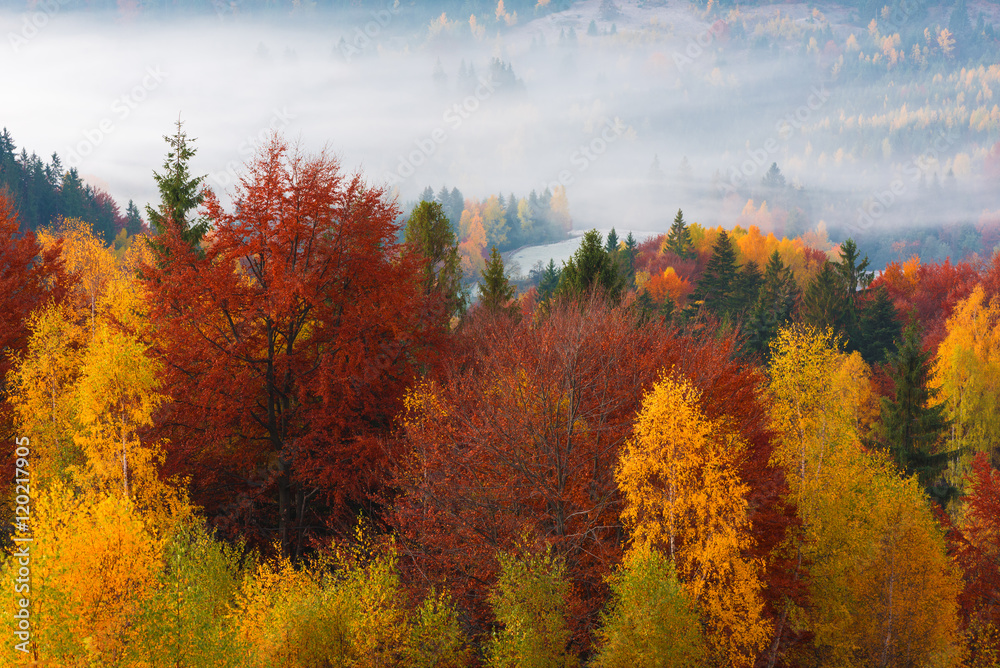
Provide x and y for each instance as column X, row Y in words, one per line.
column 506, row 333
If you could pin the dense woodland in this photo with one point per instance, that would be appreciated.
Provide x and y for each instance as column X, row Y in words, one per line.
column 282, row 433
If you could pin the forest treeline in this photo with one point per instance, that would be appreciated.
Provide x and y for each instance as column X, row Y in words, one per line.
column 278, row 433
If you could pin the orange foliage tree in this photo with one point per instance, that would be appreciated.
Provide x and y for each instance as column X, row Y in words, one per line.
column 29, row 276
column 519, row 432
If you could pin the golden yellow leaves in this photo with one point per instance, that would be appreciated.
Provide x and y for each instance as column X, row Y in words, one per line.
column 883, row 590
column 684, row 496
column 93, row 562
column 967, row 371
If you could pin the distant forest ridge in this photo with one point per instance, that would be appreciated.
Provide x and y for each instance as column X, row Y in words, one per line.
column 526, row 9
column 44, row 191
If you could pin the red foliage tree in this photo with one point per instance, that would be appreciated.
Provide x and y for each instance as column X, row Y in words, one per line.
column 28, row 277
column 287, row 344
column 520, row 431
column 977, row 548
column 930, row 295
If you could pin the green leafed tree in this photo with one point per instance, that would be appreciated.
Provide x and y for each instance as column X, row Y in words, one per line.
column 773, row 307
column 650, row 621
column 495, row 290
column 912, row 427
column 628, row 260
column 133, row 220
column 436, row 637
column 550, row 280
column 854, row 278
column 612, row 244
column 430, row 233
column 714, row 290
column 824, row 303
column 878, row 327
column 679, row 238
column 530, row 605
column 591, row 267
column 180, row 193
column 185, row 622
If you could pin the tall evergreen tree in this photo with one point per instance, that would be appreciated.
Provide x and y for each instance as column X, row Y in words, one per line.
column 878, row 327
column 591, row 267
column 714, row 290
column 133, row 221
column 746, row 288
column 612, row 244
column 429, row 233
column 679, row 238
column 550, row 280
column 180, row 193
column 911, row 428
column 773, row 307
column 773, row 179
column 628, row 260
column 495, row 290
column 825, row 302
column 855, row 278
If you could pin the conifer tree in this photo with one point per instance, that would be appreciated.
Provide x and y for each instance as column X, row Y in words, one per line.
column 133, row 220
column 825, row 302
column 715, row 286
column 628, row 260
column 495, row 290
column 550, row 280
column 911, row 426
column 878, row 328
column 180, row 193
column 854, row 278
column 679, row 239
column 612, row 244
column 773, row 306
column 591, row 267
column 429, row 233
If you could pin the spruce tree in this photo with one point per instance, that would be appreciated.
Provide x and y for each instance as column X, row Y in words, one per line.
column 591, row 267
column 679, row 238
column 773, row 307
column 746, row 288
column 854, row 278
column 715, row 286
column 825, row 302
column 133, row 221
column 495, row 290
column 550, row 280
column 878, row 328
column 180, row 193
column 628, row 260
column 911, row 427
column 612, row 244
column 429, row 233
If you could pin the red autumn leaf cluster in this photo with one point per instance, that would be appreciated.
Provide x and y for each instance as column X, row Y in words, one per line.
column 286, row 344
column 518, row 435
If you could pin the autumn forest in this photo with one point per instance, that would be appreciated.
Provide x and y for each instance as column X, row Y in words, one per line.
column 284, row 432
column 636, row 334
